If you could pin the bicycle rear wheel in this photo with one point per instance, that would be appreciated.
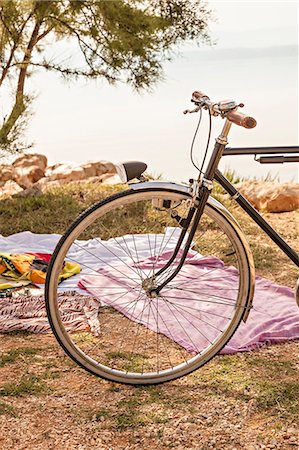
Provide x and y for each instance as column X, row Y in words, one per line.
column 125, row 334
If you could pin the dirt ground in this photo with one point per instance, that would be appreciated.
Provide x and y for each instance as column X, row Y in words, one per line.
column 248, row 401
column 245, row 401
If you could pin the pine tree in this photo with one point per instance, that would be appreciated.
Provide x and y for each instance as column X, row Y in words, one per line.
column 119, row 40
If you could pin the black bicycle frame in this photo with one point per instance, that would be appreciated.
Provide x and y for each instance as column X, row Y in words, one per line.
column 213, row 173
column 255, row 215
column 245, row 205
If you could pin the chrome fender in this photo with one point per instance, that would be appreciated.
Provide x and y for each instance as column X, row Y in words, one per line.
column 215, row 204
column 184, row 189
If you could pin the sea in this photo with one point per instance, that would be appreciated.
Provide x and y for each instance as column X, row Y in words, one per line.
column 84, row 121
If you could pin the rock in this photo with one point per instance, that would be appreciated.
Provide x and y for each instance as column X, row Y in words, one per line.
column 5, row 173
column 28, row 169
column 90, row 170
column 101, row 167
column 269, row 196
column 110, row 179
column 30, row 172
column 10, row 188
column 44, row 184
column 72, row 171
column 33, row 159
column 27, row 176
column 34, row 191
column 65, row 171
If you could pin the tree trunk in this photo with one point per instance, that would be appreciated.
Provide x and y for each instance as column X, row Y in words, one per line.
column 19, row 105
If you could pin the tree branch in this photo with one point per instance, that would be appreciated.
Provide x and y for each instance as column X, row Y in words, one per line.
column 19, row 106
column 80, row 40
column 44, row 34
column 15, row 46
column 8, row 64
column 71, row 72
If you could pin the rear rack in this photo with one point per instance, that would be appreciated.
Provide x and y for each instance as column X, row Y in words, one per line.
column 279, row 159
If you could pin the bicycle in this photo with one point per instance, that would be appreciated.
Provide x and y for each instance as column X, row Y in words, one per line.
column 168, row 268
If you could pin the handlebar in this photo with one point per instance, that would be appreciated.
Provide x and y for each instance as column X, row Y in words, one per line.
column 241, row 119
column 226, row 108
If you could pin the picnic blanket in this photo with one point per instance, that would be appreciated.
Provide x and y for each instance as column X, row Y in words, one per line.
column 28, row 313
column 273, row 319
column 208, row 291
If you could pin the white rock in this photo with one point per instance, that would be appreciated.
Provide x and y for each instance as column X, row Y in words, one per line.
column 10, row 188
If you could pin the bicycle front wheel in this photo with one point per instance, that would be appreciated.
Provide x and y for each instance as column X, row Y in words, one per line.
column 125, row 332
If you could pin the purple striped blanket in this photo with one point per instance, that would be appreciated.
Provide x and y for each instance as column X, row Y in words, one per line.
column 273, row 319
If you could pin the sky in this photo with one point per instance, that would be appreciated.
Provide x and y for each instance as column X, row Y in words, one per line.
column 254, row 61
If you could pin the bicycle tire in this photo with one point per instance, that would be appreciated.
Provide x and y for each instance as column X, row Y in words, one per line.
column 115, row 367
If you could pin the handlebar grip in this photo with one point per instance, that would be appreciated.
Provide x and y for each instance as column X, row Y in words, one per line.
column 198, row 95
column 241, row 119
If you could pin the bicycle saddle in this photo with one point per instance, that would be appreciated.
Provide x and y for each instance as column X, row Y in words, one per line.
column 129, row 170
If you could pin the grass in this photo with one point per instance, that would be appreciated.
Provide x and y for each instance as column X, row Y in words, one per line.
column 28, row 385
column 17, row 354
column 101, row 413
column 35, row 214
column 6, row 408
column 129, row 362
column 136, row 410
column 142, row 407
column 264, row 256
column 272, row 383
column 282, row 398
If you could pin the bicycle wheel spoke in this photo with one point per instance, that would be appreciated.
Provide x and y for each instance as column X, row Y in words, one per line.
column 170, row 335
column 184, row 330
column 157, row 338
column 207, row 294
column 106, row 263
column 176, row 305
column 207, row 301
column 131, row 333
column 132, row 302
column 130, row 322
column 202, row 310
column 128, row 253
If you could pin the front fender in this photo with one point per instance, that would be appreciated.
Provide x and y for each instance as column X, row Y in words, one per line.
column 184, row 189
column 215, row 204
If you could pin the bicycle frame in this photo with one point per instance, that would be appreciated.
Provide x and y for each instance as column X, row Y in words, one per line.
column 256, row 217
column 205, row 186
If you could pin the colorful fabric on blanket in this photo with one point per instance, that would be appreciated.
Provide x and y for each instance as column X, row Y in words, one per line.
column 21, row 269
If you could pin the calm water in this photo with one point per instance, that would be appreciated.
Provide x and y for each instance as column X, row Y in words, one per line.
column 82, row 121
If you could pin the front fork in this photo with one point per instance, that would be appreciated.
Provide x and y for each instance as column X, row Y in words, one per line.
column 200, row 198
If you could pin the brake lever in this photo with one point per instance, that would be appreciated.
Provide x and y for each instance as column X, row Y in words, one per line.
column 190, row 111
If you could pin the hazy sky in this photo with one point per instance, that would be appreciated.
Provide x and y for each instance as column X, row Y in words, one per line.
column 254, row 61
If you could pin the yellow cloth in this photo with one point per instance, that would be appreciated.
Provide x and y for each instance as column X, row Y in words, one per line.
column 22, row 269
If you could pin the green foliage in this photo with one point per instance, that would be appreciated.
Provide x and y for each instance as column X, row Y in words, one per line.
column 120, row 40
